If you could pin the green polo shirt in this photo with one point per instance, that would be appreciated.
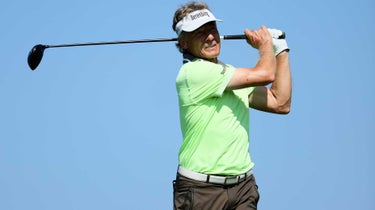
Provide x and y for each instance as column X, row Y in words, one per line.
column 214, row 121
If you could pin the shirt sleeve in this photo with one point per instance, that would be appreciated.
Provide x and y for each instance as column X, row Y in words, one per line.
column 205, row 79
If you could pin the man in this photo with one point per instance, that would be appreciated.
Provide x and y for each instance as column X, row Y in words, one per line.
column 215, row 168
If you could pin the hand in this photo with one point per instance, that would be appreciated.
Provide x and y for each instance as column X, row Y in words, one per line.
column 275, row 33
column 279, row 45
column 259, row 37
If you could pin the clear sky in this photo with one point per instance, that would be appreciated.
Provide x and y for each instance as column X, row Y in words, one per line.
column 97, row 127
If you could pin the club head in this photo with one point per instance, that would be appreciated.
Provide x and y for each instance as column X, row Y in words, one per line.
column 35, row 56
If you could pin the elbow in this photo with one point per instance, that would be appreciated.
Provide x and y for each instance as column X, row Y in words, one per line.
column 284, row 108
column 264, row 76
column 269, row 75
column 268, row 78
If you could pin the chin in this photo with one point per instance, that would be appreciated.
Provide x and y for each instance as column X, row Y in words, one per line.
column 212, row 54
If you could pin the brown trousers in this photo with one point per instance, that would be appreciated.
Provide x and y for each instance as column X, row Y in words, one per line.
column 189, row 194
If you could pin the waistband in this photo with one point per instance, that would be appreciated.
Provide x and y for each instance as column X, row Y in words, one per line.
column 214, row 179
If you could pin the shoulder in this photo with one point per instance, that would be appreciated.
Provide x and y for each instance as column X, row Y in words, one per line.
column 200, row 65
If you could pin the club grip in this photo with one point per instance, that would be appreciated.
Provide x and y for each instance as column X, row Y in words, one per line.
column 282, row 36
column 243, row 36
column 234, row 36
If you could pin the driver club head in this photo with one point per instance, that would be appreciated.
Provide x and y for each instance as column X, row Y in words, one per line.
column 35, row 56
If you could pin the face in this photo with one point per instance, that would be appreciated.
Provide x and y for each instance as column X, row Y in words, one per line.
column 204, row 42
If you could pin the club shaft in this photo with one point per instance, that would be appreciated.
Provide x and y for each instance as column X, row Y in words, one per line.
column 225, row 37
column 135, row 41
column 36, row 53
column 113, row 42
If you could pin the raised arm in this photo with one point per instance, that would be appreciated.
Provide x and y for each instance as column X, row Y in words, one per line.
column 277, row 98
column 264, row 71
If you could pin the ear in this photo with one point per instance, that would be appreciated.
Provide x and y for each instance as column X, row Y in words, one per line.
column 182, row 42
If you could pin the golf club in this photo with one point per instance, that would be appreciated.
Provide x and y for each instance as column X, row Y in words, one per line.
column 36, row 53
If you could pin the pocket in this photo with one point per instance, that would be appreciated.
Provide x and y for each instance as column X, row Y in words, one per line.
column 183, row 199
column 257, row 197
column 254, row 190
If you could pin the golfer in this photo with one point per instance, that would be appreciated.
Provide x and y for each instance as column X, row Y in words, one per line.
column 215, row 167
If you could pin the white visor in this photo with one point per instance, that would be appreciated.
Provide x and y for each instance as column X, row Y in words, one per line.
column 195, row 20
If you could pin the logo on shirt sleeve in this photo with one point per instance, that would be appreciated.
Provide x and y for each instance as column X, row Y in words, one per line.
column 224, row 68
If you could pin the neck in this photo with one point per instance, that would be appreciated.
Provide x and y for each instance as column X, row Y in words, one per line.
column 189, row 57
column 213, row 60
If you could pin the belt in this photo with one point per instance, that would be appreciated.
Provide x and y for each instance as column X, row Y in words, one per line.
column 215, row 179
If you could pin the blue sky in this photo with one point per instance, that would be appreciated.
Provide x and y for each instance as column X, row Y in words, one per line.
column 97, row 127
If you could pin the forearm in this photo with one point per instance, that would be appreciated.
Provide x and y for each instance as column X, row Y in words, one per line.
column 281, row 88
column 267, row 60
column 262, row 74
column 266, row 65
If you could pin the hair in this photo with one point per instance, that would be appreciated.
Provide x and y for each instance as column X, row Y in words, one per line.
column 185, row 10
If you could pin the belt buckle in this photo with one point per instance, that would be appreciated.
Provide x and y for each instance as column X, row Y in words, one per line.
column 231, row 180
